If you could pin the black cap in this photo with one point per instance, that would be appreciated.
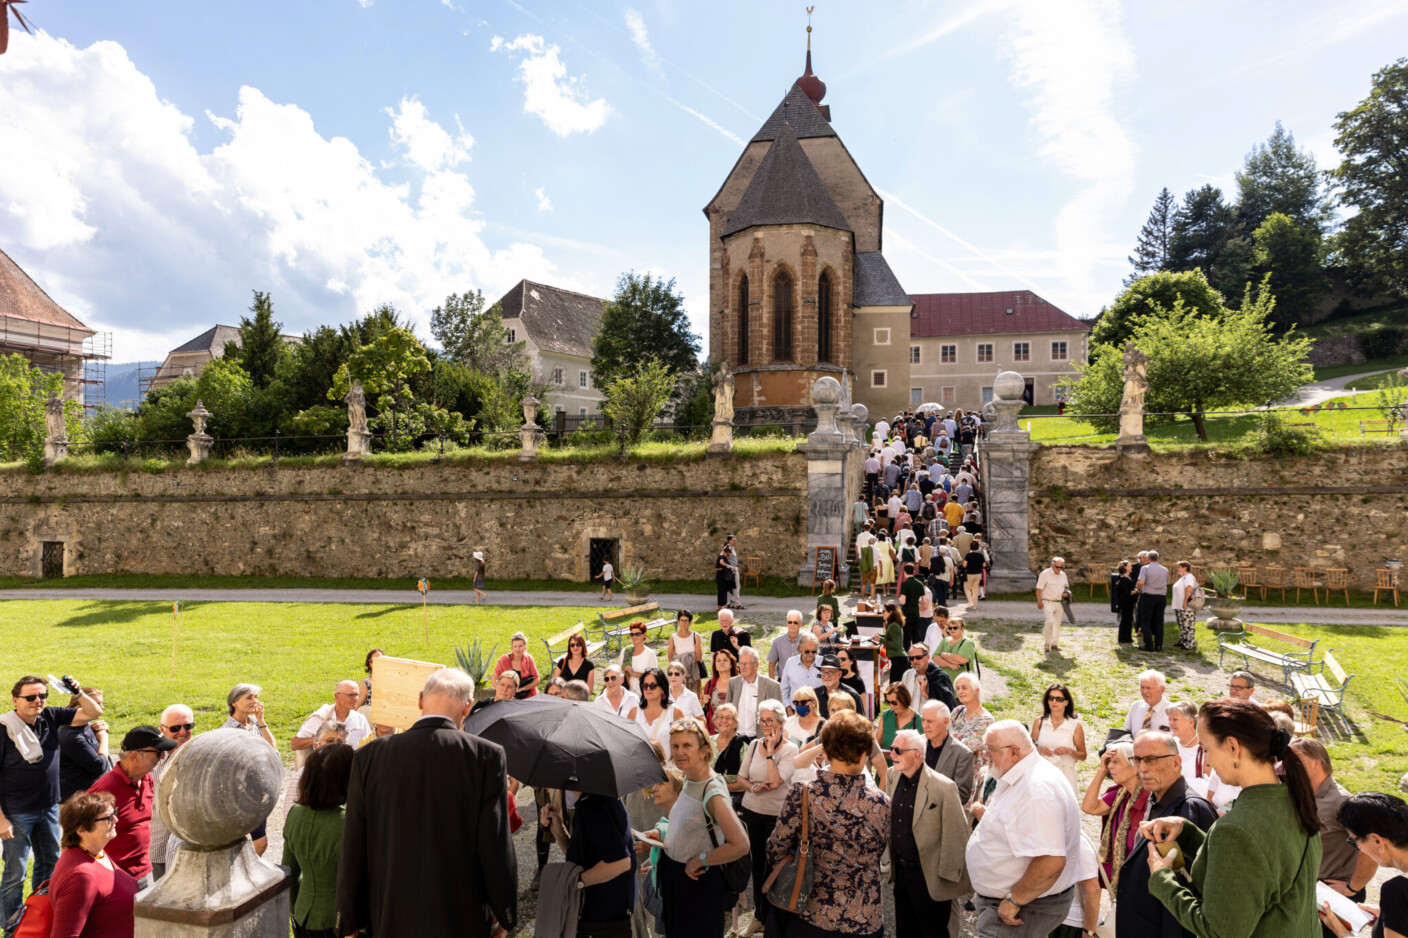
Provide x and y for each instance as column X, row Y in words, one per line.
column 147, row 737
column 830, row 661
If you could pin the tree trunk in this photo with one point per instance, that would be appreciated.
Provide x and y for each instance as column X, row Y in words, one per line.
column 1198, row 425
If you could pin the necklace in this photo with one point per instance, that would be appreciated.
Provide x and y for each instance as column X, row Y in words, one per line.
column 97, row 856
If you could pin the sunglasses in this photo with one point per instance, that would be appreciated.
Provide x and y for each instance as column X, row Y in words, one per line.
column 892, row 701
column 900, row 752
column 1056, row 699
column 33, row 697
column 637, row 632
column 917, row 657
column 613, row 677
column 178, row 727
column 651, row 686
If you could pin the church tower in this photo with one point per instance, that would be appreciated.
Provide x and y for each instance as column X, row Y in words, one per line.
column 798, row 287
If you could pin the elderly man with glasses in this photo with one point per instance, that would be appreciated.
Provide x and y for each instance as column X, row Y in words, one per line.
column 748, row 689
column 1160, row 768
column 1051, row 587
column 29, row 782
column 928, row 832
column 134, row 792
column 925, row 680
column 178, row 724
column 1241, row 686
column 343, row 709
column 802, row 669
column 785, row 645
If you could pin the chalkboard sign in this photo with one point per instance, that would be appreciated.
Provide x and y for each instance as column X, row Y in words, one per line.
column 825, row 568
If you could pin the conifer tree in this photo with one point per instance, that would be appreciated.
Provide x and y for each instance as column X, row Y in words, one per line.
column 1151, row 253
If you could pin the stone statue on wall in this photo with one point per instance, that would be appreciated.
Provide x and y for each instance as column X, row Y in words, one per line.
column 54, row 419
column 1136, row 385
column 723, row 393
column 199, row 442
column 530, row 433
column 356, row 407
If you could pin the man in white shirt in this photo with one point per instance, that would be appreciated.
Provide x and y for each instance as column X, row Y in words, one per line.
column 801, row 670
column 343, row 709
column 748, row 689
column 1051, row 585
column 1150, row 712
column 1183, row 723
column 882, row 430
column 1022, row 857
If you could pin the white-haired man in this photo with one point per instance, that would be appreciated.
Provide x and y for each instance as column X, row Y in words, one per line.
column 1022, row 856
column 802, row 669
column 343, row 709
column 1150, row 711
column 942, row 753
column 1051, row 587
column 433, row 771
column 726, row 636
column 747, row 689
column 178, row 722
column 785, row 645
column 928, row 834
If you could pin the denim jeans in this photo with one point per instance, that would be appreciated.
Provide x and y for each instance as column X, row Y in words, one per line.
column 37, row 829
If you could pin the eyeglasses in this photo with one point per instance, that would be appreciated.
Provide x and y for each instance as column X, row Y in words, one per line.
column 917, row 657
column 110, row 818
column 892, row 701
column 344, row 694
column 1353, row 841
column 651, row 686
column 992, row 749
column 809, row 651
column 33, row 697
column 1054, row 699
column 613, row 677
column 1240, row 686
column 899, row 752
column 1137, row 761
column 178, row 727
column 637, row 631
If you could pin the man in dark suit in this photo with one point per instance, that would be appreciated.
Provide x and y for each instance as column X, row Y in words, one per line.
column 942, row 753
column 928, row 836
column 748, row 689
column 1160, row 766
column 426, row 848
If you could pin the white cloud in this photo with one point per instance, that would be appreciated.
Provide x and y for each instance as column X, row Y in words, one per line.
column 110, row 206
column 365, row 3
column 544, row 203
column 561, row 102
column 1073, row 57
column 426, row 143
column 641, row 37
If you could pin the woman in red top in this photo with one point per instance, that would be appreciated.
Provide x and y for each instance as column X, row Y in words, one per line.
column 519, row 660
column 91, row 897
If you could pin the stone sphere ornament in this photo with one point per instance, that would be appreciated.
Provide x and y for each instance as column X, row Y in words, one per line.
column 826, row 390
column 860, row 413
column 1009, row 386
column 218, row 787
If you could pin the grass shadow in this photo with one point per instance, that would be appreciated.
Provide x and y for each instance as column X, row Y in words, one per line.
column 383, row 611
column 112, row 613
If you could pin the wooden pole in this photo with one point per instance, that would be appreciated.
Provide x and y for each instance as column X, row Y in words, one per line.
column 175, row 632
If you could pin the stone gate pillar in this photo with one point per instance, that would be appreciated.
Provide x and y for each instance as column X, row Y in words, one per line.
column 1006, row 472
column 826, row 450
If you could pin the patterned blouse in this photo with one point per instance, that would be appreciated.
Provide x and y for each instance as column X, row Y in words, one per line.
column 850, row 824
column 969, row 731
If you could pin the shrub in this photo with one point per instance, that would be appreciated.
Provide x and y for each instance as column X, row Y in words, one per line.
column 1275, row 437
column 1381, row 343
column 154, row 466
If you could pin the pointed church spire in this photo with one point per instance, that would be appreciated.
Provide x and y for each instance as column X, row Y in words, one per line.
column 814, row 87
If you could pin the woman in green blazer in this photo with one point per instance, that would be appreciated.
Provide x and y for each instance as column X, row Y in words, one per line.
column 313, row 841
column 1254, row 869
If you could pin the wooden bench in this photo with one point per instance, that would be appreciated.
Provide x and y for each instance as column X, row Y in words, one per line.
column 1312, row 683
column 1375, row 426
column 614, row 630
column 557, row 645
column 1241, row 644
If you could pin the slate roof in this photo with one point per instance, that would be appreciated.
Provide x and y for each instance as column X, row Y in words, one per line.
column 875, row 283
column 786, row 190
column 804, row 117
column 556, row 320
column 212, row 340
column 1000, row 313
column 22, row 298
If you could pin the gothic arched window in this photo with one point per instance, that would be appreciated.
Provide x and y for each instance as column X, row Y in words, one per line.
column 782, row 317
column 742, row 322
column 823, row 319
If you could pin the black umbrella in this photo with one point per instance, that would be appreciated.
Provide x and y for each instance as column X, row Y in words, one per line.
column 555, row 743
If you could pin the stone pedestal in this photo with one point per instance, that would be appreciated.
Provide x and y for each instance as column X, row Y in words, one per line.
column 1225, row 625
column 530, row 435
column 359, row 445
column 1006, row 469
column 55, row 450
column 826, row 451
column 199, row 446
column 721, row 443
column 1132, row 445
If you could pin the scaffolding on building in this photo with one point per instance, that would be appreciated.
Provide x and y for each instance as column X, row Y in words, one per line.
column 76, row 352
column 97, row 352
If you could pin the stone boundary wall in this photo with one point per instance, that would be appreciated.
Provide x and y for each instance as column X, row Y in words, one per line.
column 533, row 521
column 1344, row 508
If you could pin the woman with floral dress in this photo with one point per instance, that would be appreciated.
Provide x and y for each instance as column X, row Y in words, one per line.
column 971, row 721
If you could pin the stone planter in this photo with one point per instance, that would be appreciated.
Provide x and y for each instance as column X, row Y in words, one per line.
column 637, row 597
column 1225, row 607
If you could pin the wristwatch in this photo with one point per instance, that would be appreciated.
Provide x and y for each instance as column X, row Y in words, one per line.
column 704, row 858
column 1008, row 898
column 580, row 884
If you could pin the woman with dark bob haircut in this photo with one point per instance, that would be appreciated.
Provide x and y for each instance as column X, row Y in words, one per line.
column 1254, row 871
column 313, row 840
column 849, row 825
column 90, row 895
column 1377, row 824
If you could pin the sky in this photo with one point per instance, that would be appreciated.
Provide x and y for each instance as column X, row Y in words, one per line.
column 158, row 163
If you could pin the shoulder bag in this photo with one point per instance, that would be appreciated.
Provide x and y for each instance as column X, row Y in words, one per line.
column 790, row 885
column 35, row 918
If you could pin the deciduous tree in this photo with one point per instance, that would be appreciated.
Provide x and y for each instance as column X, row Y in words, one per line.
column 1289, row 256
column 24, row 393
column 644, row 319
column 634, row 399
column 1152, row 296
column 476, row 337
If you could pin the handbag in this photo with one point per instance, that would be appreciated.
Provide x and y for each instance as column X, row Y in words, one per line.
column 1106, row 927
column 790, row 884
column 736, row 872
column 34, row 919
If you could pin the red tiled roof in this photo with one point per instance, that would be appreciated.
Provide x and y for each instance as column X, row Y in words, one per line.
column 22, row 298
column 1004, row 312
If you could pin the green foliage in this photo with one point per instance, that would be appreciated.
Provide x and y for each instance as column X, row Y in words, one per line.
column 1155, row 295
column 1372, row 181
column 154, row 466
column 1392, row 399
column 24, row 392
column 261, row 344
column 1206, row 237
column 318, row 420
column 1280, row 178
column 1224, row 582
column 474, row 661
column 1276, row 437
column 632, row 577
column 476, row 337
column 1151, row 252
column 635, row 399
column 1290, row 257
column 110, row 427
column 1381, row 343
column 385, row 367
column 644, row 319
column 223, row 387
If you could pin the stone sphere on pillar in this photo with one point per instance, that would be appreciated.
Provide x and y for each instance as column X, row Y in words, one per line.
column 218, row 787
column 861, row 413
column 1009, row 386
column 826, row 390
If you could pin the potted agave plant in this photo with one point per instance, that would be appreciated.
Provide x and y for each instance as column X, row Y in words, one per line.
column 634, row 584
column 1226, row 599
column 476, row 663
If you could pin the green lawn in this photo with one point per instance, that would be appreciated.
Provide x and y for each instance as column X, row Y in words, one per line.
column 1326, row 372
column 1358, row 323
column 1373, row 382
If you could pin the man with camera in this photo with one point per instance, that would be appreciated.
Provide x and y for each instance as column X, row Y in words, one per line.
column 29, row 781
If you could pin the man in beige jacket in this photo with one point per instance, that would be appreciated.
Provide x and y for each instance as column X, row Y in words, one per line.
column 928, row 834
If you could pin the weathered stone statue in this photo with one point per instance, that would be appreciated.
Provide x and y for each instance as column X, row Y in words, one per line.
column 199, row 442
column 56, row 435
column 215, row 789
column 721, row 441
column 826, row 397
column 1008, row 390
column 530, row 433
column 1136, row 385
column 359, row 439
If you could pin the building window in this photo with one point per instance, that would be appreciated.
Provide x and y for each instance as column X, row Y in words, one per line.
column 984, row 352
column 581, row 411
column 877, row 379
column 987, row 395
column 947, row 396
column 743, row 321
column 1021, row 351
column 557, row 377
column 823, row 319
column 1058, row 351
column 584, row 379
column 916, row 395
column 512, row 336
column 1058, row 393
column 882, row 336
column 782, row 317
column 948, row 354
column 914, row 355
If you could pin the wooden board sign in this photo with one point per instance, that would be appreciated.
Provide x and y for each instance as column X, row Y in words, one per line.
column 825, row 567
column 396, row 687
